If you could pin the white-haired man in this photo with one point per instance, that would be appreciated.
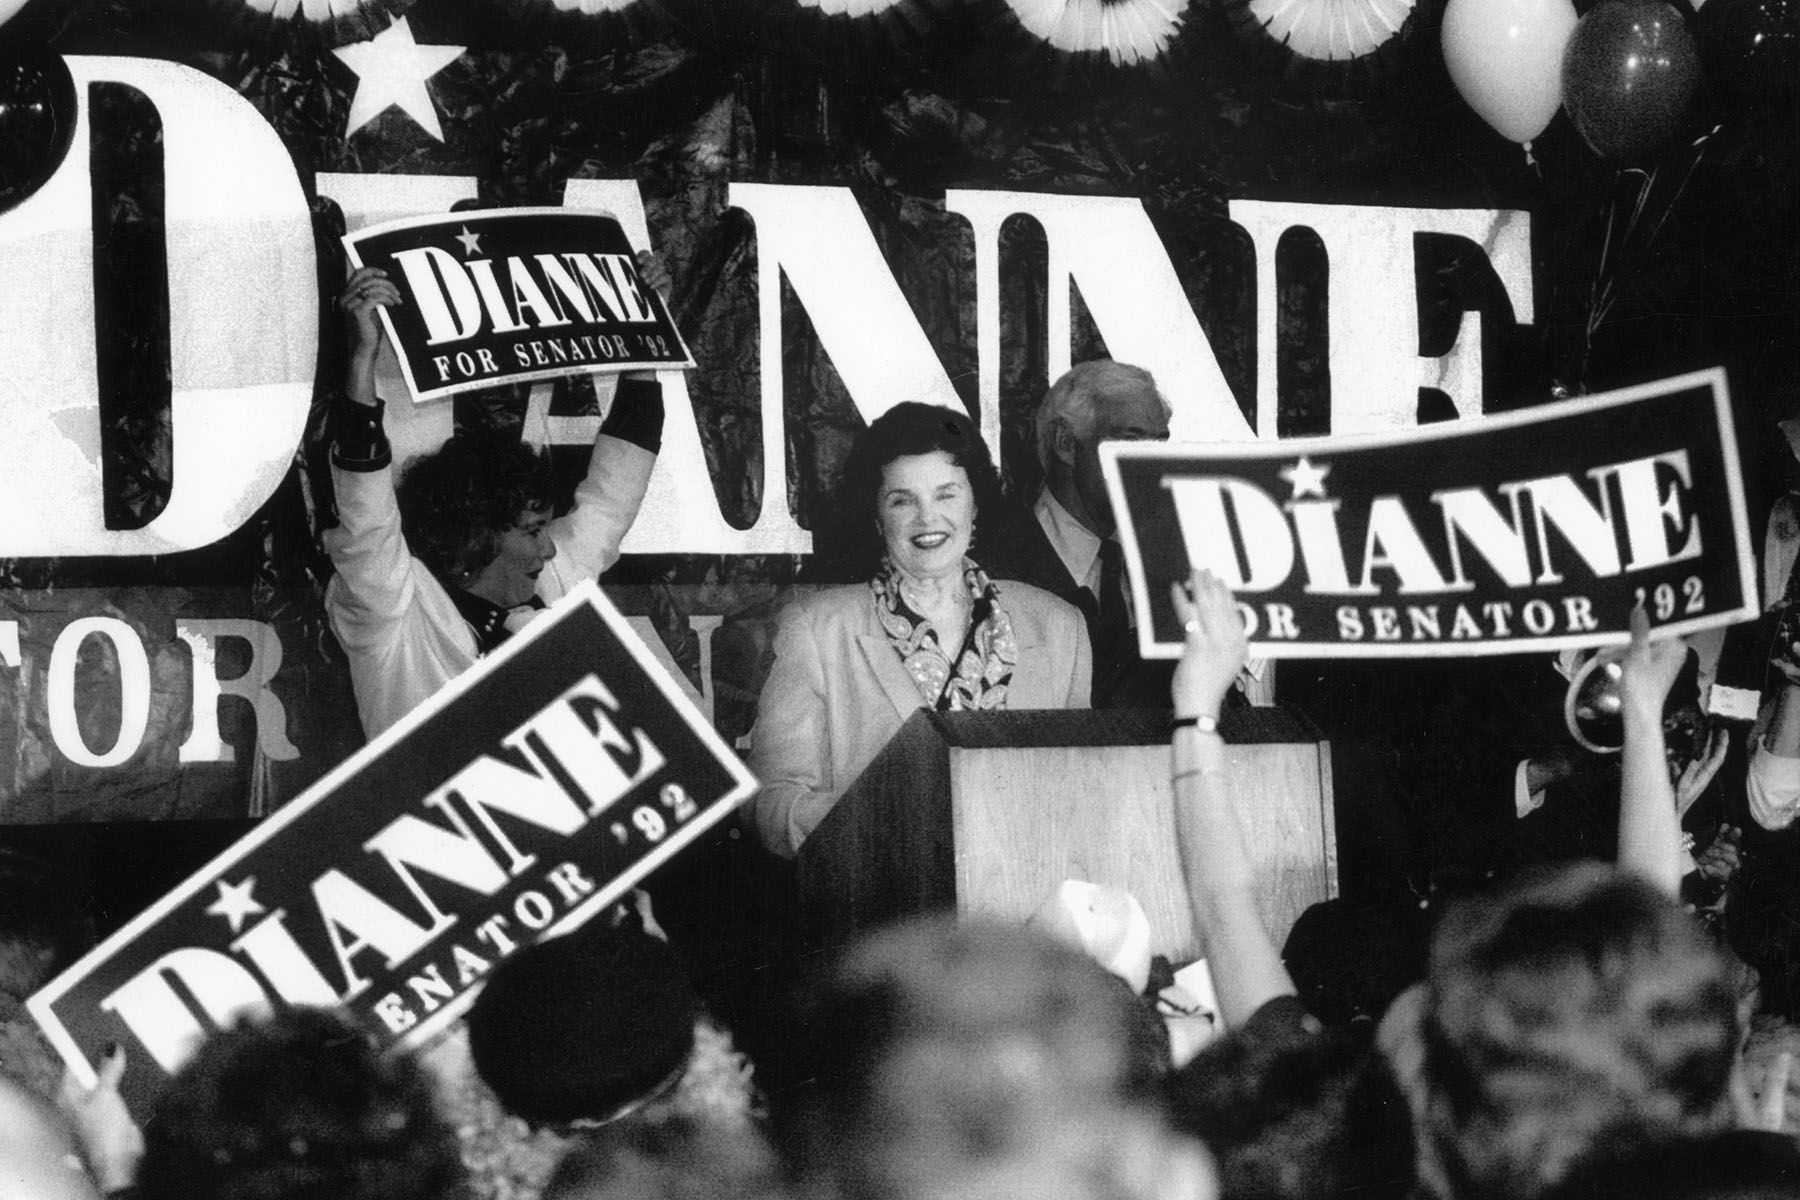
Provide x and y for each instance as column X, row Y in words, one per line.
column 1072, row 548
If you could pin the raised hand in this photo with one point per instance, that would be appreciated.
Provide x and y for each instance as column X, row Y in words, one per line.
column 1216, row 646
column 110, row 1139
column 1648, row 670
column 367, row 291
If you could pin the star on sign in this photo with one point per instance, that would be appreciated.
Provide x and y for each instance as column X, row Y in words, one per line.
column 391, row 69
column 471, row 242
column 235, row 903
column 1306, row 479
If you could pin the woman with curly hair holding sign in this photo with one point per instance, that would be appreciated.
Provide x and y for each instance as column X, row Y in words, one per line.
column 466, row 550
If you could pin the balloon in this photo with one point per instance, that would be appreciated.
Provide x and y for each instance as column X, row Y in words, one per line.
column 8, row 8
column 1505, row 57
column 37, row 118
column 1629, row 76
column 1752, row 51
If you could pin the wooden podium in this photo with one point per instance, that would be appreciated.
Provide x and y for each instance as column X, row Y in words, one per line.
column 988, row 812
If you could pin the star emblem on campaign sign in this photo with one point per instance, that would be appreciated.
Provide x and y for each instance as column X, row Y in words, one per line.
column 235, row 903
column 391, row 69
column 471, row 242
column 1307, row 479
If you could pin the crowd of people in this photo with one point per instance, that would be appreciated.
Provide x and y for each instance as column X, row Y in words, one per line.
column 1573, row 1031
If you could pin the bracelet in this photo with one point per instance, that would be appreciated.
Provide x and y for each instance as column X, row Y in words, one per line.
column 1197, row 724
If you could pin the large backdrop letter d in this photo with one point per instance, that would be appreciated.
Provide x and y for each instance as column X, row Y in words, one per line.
column 243, row 337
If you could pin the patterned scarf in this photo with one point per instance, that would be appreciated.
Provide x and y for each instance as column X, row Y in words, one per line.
column 982, row 668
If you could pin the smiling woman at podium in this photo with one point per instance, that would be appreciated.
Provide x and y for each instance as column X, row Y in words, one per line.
column 925, row 629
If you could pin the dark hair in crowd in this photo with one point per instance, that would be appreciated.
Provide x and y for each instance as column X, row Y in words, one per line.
column 1308, row 1117
column 1738, row 1164
column 849, row 547
column 301, row 1106
column 1579, row 1008
column 456, row 501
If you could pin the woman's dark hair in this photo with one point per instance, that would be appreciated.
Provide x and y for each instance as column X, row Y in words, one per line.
column 1292, row 1114
column 301, row 1106
column 457, row 501
column 847, row 548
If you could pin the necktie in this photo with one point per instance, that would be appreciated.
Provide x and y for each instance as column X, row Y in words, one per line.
column 1112, row 631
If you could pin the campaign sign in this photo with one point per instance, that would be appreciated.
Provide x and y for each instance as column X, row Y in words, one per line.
column 520, row 801
column 511, row 294
column 1531, row 530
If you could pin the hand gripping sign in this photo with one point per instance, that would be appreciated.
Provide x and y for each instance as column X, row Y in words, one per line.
column 1533, row 530
column 499, row 296
column 520, row 801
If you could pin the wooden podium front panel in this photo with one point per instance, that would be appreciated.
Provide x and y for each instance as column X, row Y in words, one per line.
column 1028, row 818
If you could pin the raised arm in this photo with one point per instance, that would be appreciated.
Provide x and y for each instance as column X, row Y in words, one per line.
column 609, row 496
column 1649, row 826
column 374, row 569
column 1246, row 967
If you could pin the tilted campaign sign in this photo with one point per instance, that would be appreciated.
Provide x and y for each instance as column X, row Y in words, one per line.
column 506, row 295
column 520, row 801
column 1530, row 530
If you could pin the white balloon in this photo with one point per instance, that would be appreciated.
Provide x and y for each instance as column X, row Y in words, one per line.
column 1505, row 57
column 8, row 8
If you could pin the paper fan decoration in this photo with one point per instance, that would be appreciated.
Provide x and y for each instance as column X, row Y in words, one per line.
column 1330, row 30
column 850, row 8
column 1128, row 32
column 587, row 8
column 337, row 21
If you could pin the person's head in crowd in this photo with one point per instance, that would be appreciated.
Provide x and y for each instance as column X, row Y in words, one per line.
column 596, row 1025
column 972, row 1060
column 477, row 511
column 299, row 1106
column 1306, row 1117
column 1094, row 402
column 676, row 1158
column 1738, row 1164
column 912, row 492
column 1576, row 1009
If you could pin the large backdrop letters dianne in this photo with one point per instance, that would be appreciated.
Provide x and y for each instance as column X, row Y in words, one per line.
column 241, row 269
column 125, row 684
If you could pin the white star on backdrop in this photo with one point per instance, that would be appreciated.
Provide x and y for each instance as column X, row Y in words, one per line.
column 391, row 69
column 235, row 903
column 471, row 242
column 1307, row 479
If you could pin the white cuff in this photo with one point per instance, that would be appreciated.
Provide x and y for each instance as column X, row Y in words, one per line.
column 1525, row 801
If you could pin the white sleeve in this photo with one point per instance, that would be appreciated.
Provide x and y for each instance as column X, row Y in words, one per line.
column 790, row 745
column 1773, row 786
column 375, row 579
column 606, row 503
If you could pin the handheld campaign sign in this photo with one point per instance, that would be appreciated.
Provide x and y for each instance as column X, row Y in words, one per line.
column 505, row 295
column 520, row 801
column 1531, row 530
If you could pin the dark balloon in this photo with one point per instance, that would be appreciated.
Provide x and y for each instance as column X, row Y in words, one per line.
column 37, row 118
column 1630, row 74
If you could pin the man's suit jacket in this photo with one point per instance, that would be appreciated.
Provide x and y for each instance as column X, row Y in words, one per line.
column 837, row 693
column 1022, row 550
